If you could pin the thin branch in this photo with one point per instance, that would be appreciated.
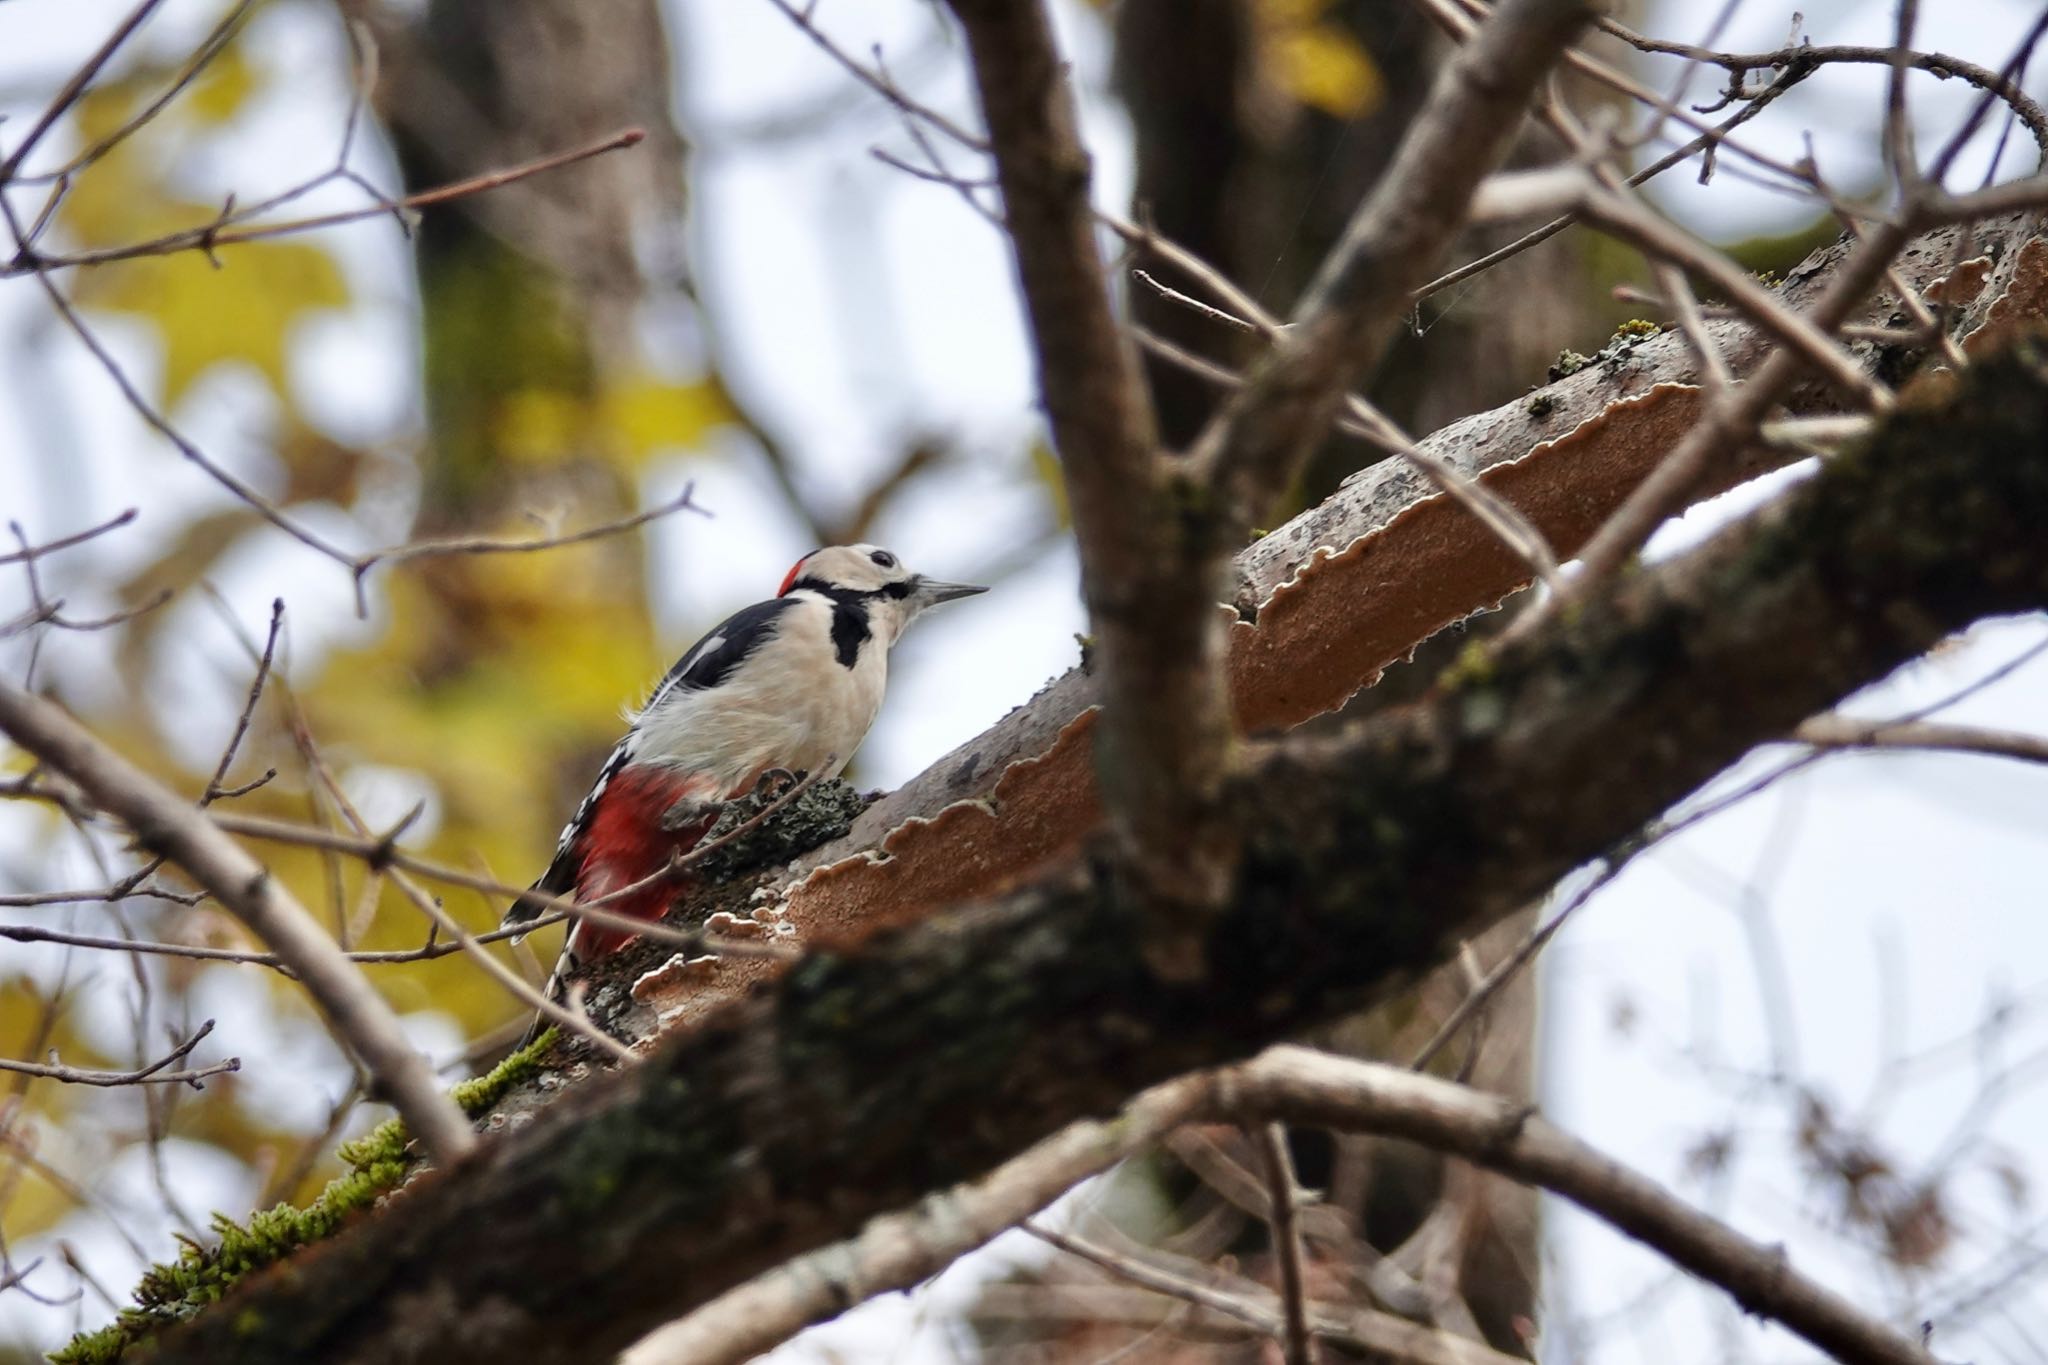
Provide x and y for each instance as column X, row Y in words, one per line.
column 48, row 547
column 427, row 952
column 1377, row 1334
column 118, row 891
column 1692, row 322
column 488, row 545
column 1660, row 238
column 231, row 227
column 379, row 853
column 167, row 825
column 201, row 57
column 1939, row 64
column 1847, row 732
column 147, row 411
column 440, row 920
column 881, row 85
column 80, row 80
column 1731, row 418
column 158, row 1072
column 214, row 791
column 1499, row 516
column 1898, row 126
column 1706, row 142
column 1283, row 1202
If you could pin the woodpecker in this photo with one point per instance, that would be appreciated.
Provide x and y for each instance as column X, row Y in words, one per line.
column 789, row 684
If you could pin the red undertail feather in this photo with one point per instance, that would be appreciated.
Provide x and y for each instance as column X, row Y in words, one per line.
column 627, row 843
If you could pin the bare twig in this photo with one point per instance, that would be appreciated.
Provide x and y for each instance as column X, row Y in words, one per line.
column 80, row 79
column 1283, row 1199
column 573, row 1020
column 1659, row 237
column 168, row 826
column 1730, row 419
column 1495, row 513
column 158, row 1072
column 231, row 225
column 200, row 58
column 881, row 85
column 427, row 952
column 1707, row 141
column 34, row 552
column 214, row 791
column 1361, row 419
column 1939, row 64
column 488, row 545
column 379, row 853
column 1847, row 732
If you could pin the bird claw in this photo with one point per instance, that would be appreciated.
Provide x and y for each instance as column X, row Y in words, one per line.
column 774, row 784
column 684, row 813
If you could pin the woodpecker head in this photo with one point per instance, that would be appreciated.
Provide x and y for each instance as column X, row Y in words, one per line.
column 871, row 577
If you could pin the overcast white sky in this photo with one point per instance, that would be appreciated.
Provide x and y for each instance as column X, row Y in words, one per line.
column 1899, row 897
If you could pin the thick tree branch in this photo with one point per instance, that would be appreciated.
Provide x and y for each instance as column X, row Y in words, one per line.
column 174, row 829
column 1306, row 1087
column 790, row 1119
column 1151, row 594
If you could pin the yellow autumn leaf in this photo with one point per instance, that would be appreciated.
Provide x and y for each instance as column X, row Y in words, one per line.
column 222, row 89
column 1324, row 67
column 647, row 414
column 246, row 309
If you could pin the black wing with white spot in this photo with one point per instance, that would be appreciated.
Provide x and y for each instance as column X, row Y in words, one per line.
column 712, row 659
column 560, row 878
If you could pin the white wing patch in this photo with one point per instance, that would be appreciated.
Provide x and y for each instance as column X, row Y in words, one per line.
column 681, row 669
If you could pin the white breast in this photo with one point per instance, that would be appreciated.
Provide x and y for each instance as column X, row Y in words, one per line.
column 791, row 704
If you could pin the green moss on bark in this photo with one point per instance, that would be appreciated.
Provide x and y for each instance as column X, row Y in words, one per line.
column 377, row 1162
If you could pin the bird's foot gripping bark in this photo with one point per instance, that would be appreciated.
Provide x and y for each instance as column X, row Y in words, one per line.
column 690, row 812
column 774, row 784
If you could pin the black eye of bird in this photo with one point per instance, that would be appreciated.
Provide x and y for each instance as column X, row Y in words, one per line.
column 884, row 558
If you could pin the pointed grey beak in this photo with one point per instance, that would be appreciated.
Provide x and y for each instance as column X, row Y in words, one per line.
column 929, row 592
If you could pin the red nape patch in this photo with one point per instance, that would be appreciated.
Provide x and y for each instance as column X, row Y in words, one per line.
column 789, row 579
column 626, row 843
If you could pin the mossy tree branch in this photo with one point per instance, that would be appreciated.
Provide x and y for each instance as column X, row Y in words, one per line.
column 865, row 1079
